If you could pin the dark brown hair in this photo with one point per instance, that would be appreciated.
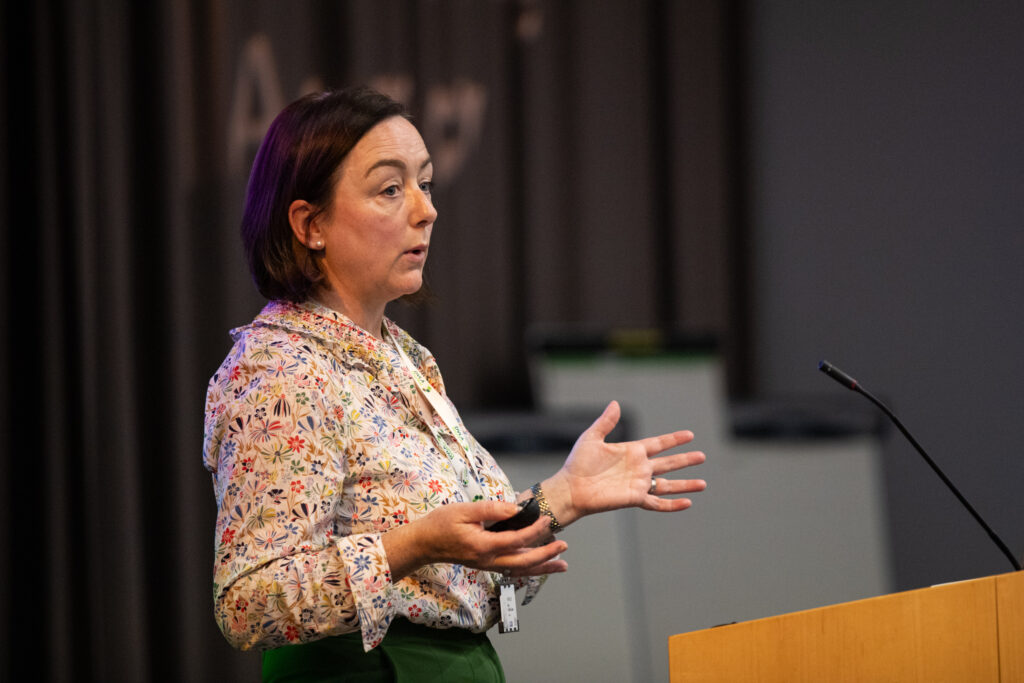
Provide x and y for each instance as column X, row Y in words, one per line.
column 299, row 158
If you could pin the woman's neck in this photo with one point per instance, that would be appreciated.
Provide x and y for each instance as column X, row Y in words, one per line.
column 370, row 318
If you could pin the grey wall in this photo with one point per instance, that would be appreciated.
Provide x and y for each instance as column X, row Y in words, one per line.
column 887, row 205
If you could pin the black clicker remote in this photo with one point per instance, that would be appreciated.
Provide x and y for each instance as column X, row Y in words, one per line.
column 528, row 513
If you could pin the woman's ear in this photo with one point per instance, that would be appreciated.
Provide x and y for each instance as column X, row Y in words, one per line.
column 302, row 218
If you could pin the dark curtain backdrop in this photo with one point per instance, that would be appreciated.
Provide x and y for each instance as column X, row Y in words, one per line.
column 583, row 160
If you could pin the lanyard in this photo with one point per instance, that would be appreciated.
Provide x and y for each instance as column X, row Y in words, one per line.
column 509, row 620
column 463, row 466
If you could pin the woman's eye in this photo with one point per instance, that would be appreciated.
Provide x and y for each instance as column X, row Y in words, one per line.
column 391, row 191
column 427, row 186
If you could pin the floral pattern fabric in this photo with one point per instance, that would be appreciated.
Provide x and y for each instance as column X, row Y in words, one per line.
column 318, row 444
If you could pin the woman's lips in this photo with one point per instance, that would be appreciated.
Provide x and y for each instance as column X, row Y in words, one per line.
column 418, row 252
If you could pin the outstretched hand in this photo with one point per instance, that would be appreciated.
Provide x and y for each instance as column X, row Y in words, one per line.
column 599, row 476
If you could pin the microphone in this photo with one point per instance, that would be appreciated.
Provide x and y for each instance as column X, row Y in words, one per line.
column 852, row 384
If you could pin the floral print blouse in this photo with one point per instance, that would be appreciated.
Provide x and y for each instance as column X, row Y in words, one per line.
column 318, row 444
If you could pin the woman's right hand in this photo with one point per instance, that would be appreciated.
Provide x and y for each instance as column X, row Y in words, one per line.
column 454, row 533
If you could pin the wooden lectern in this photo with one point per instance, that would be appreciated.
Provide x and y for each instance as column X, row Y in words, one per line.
column 966, row 631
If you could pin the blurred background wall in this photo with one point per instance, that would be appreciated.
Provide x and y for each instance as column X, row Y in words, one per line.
column 885, row 194
column 793, row 180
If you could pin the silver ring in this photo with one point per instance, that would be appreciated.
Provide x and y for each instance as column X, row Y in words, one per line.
column 654, row 485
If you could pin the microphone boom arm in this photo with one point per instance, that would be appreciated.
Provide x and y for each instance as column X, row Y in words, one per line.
column 852, row 384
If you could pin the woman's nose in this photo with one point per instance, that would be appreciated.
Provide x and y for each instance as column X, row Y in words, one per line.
column 424, row 212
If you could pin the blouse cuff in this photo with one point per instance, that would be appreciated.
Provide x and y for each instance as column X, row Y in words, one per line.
column 369, row 578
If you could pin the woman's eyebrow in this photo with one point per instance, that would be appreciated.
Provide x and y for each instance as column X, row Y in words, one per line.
column 395, row 163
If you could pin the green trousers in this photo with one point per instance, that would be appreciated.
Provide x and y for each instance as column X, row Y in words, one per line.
column 410, row 653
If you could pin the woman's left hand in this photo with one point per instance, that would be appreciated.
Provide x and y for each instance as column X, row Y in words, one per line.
column 599, row 476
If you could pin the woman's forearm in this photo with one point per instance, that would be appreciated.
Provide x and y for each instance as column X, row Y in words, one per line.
column 404, row 550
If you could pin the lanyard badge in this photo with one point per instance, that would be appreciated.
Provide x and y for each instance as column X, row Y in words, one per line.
column 507, row 598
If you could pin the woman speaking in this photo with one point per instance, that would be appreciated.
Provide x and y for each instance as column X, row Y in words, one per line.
column 353, row 506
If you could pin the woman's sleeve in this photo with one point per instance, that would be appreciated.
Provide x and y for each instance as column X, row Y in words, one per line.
column 277, row 449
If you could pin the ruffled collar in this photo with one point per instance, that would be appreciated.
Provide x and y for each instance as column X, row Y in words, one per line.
column 314, row 319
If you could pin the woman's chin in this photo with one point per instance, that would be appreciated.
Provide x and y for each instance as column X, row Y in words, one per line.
column 419, row 295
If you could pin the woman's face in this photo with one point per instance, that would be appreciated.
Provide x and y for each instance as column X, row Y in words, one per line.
column 377, row 229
